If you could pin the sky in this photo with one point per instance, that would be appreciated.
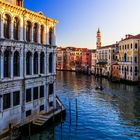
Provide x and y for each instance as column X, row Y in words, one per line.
column 80, row 19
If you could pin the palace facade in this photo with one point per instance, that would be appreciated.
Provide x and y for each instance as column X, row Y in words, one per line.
column 129, row 51
column 27, row 64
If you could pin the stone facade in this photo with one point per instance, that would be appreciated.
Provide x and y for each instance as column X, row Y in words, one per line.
column 27, row 64
column 128, row 58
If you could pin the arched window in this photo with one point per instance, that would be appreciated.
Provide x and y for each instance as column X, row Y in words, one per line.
column 50, row 63
column 7, row 64
column 28, row 31
column 16, row 64
column 7, row 23
column 16, row 28
column 42, row 34
column 35, row 63
column 42, row 62
column 125, row 57
column 35, row 32
column 50, row 35
column 29, row 63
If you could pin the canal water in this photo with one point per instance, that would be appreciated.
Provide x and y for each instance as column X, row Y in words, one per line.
column 110, row 114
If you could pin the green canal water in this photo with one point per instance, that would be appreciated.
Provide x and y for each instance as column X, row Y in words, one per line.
column 111, row 114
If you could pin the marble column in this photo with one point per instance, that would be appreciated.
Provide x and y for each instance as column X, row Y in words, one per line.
column 12, row 29
column 45, row 64
column 2, row 65
column 21, row 30
column 32, row 34
column 21, row 63
column 38, row 62
column 38, row 35
column 32, row 65
column 54, row 94
column 2, row 28
column 11, row 66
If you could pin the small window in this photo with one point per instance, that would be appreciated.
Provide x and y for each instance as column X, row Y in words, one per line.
column 41, row 91
column 50, row 89
column 16, row 98
column 6, row 101
column 131, row 45
column 51, row 104
column 136, row 45
column 28, row 113
column 135, row 59
column 35, row 96
column 28, row 95
column 41, row 107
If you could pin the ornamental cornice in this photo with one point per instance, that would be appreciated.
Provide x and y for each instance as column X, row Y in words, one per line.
column 25, row 12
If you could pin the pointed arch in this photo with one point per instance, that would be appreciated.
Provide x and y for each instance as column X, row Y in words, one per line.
column 16, row 64
column 7, row 23
column 16, row 28
column 35, row 32
column 35, row 63
column 28, row 31
column 42, row 34
column 7, row 64
column 50, row 62
column 42, row 57
column 50, row 35
column 28, row 63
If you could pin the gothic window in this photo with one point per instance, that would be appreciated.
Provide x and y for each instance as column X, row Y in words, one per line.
column 7, row 63
column 42, row 62
column 16, row 64
column 35, row 63
column 50, row 63
column 42, row 34
column 7, row 22
column 50, row 35
column 29, row 63
column 28, row 31
column 50, row 92
column 35, row 32
column 16, row 28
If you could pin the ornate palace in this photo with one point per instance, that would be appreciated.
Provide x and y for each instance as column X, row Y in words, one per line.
column 27, row 64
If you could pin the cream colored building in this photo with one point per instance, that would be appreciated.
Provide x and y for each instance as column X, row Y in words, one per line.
column 129, row 58
column 106, row 56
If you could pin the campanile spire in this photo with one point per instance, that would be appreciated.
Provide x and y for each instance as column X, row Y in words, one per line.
column 98, row 43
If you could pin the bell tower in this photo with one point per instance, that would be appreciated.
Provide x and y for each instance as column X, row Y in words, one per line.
column 16, row 2
column 98, row 43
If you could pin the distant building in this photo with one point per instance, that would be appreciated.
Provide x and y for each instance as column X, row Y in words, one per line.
column 115, row 71
column 129, row 52
column 71, row 58
column 106, row 56
column 93, row 60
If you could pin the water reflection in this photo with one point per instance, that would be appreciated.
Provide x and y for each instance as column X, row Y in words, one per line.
column 113, row 113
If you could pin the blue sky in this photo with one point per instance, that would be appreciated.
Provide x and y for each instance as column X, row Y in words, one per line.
column 80, row 19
